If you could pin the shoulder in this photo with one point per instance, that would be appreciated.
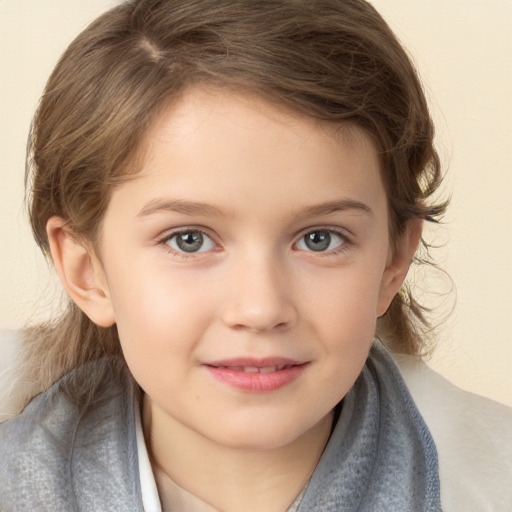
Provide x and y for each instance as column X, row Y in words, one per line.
column 34, row 447
column 473, row 436
column 71, row 442
column 11, row 389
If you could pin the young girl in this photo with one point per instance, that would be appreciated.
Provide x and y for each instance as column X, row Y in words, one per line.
column 232, row 194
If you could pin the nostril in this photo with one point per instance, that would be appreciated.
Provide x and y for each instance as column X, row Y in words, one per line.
column 254, row 327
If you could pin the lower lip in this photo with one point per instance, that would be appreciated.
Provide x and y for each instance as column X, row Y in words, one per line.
column 257, row 382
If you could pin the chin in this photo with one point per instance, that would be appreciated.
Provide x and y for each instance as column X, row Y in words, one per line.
column 264, row 435
column 257, row 442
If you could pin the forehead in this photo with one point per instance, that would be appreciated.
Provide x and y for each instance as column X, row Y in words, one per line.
column 220, row 146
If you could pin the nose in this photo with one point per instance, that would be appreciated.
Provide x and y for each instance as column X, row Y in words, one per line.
column 261, row 299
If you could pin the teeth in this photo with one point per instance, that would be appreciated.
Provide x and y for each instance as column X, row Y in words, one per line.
column 268, row 369
column 256, row 369
column 263, row 369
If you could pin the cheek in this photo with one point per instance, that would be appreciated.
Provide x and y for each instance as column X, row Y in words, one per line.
column 347, row 299
column 346, row 330
column 345, row 314
column 155, row 314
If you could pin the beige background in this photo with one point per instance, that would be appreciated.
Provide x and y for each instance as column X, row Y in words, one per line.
column 462, row 49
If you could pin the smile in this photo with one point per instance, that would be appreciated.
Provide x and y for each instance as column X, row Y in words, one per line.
column 256, row 369
column 256, row 377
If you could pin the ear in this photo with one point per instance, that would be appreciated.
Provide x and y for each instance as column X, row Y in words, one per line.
column 81, row 272
column 398, row 264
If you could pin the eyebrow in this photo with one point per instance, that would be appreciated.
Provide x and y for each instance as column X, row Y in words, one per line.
column 205, row 209
column 333, row 207
column 180, row 206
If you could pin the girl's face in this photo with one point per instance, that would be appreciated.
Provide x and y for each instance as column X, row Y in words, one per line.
column 246, row 266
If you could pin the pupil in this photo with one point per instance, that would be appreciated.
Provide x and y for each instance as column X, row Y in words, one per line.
column 318, row 241
column 190, row 242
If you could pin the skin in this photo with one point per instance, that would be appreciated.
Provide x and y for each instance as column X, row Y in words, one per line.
column 254, row 289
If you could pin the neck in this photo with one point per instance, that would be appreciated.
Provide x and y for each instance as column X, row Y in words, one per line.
column 228, row 478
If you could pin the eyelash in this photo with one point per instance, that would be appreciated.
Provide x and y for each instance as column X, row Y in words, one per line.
column 183, row 255
column 344, row 246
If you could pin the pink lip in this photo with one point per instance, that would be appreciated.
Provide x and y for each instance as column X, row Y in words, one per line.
column 264, row 375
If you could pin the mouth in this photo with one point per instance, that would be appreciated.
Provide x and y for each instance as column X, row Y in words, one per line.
column 256, row 376
column 257, row 369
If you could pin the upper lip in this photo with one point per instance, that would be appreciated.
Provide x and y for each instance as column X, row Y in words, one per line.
column 265, row 362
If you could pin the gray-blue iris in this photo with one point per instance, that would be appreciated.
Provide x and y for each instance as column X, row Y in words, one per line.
column 191, row 241
column 318, row 240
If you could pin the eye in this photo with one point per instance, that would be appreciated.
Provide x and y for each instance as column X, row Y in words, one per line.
column 190, row 242
column 321, row 240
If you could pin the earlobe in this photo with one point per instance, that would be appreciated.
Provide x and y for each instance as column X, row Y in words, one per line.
column 80, row 272
column 398, row 264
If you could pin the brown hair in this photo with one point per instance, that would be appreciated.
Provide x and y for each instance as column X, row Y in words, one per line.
column 335, row 60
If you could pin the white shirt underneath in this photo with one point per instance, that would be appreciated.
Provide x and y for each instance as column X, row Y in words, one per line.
column 150, row 498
